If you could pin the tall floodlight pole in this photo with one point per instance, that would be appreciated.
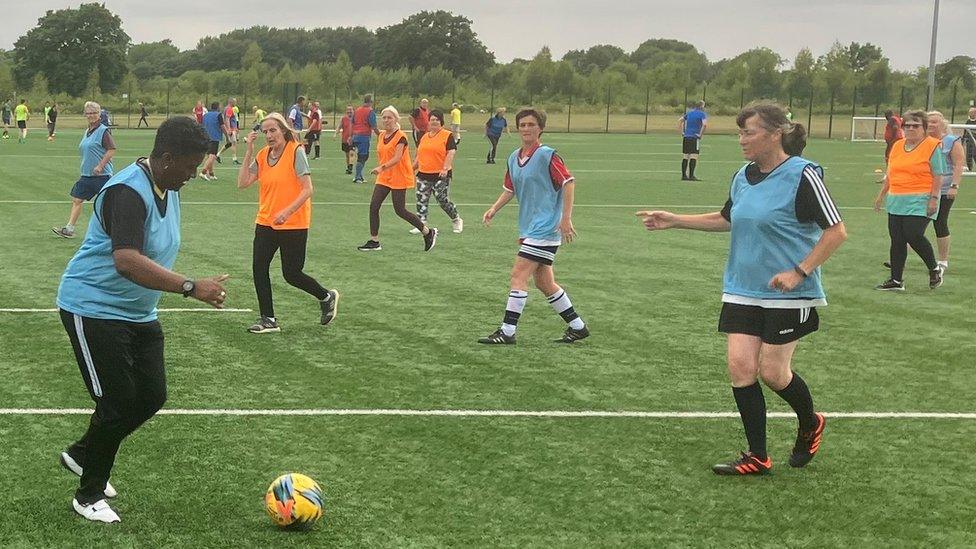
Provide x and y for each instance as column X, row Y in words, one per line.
column 935, row 34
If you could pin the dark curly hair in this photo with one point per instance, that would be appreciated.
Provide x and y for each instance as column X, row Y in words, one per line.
column 180, row 136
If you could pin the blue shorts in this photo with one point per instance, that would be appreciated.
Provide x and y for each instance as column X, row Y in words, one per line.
column 88, row 186
column 361, row 142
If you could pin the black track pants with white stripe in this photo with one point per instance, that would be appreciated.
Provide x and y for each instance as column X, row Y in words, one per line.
column 122, row 366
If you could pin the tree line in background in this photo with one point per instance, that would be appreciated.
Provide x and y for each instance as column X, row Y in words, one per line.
column 77, row 54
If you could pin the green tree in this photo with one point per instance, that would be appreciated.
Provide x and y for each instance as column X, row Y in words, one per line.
column 961, row 69
column 564, row 79
column 538, row 76
column 836, row 67
column 66, row 45
column 253, row 56
column 438, row 81
column 92, row 89
column 430, row 39
column 151, row 59
column 862, row 56
column 801, row 78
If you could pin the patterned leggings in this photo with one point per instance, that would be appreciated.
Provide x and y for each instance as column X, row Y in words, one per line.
column 440, row 188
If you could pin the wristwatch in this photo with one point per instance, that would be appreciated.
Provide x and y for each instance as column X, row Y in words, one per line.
column 953, row 186
column 188, row 287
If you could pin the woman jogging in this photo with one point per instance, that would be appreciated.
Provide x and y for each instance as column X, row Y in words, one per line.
column 394, row 176
column 284, row 216
column 97, row 149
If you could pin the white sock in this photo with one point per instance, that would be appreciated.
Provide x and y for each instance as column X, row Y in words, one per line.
column 564, row 307
column 513, row 310
column 943, row 264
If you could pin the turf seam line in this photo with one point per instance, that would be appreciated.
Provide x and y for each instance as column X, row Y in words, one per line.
column 487, row 413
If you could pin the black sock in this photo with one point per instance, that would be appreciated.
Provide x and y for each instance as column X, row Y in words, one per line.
column 797, row 395
column 684, row 167
column 752, row 409
column 317, row 149
column 691, row 167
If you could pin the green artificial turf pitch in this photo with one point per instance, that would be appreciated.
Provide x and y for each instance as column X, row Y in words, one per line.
column 405, row 339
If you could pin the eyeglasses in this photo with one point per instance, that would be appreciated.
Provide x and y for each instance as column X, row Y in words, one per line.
column 909, row 126
column 91, row 112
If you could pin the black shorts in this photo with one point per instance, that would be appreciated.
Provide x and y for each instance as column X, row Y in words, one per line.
column 543, row 255
column 214, row 146
column 312, row 136
column 6, row 120
column 773, row 326
column 689, row 145
column 346, row 147
column 22, row 124
column 88, row 186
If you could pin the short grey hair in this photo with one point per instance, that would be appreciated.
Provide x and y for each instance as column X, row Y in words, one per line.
column 92, row 105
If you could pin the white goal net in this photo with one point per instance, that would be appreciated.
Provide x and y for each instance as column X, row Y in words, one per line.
column 867, row 128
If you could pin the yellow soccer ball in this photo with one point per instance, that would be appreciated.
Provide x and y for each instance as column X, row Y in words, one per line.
column 294, row 501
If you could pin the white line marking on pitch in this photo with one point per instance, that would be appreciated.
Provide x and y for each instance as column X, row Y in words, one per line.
column 186, row 310
column 472, row 204
column 489, row 413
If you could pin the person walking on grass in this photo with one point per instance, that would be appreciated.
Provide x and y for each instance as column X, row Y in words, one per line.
column 216, row 128
column 692, row 125
column 52, row 121
column 434, row 169
column 394, row 175
column 22, row 115
column 284, row 217
column 456, row 122
column 107, row 303
column 954, row 158
column 494, row 127
column 97, row 149
column 783, row 226
column 344, row 133
column 363, row 127
column 545, row 188
column 143, row 117
column 5, row 113
column 910, row 194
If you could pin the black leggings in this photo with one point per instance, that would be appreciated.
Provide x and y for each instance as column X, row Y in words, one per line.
column 908, row 230
column 942, row 222
column 399, row 206
column 494, row 147
column 291, row 242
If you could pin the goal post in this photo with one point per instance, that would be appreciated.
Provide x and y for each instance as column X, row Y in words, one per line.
column 867, row 128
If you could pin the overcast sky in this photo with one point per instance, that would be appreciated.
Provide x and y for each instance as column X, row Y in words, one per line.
column 519, row 28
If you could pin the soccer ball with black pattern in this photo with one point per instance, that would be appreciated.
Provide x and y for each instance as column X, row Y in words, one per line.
column 294, row 502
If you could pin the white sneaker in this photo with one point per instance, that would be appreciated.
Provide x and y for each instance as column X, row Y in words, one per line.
column 100, row 511
column 458, row 225
column 415, row 230
column 72, row 465
column 204, row 177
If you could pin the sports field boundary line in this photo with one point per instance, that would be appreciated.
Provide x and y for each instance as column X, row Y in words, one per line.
column 177, row 310
column 230, row 412
column 471, row 204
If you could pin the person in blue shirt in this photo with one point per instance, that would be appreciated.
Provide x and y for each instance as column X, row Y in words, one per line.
column 493, row 131
column 784, row 226
column 97, row 149
column 692, row 125
column 295, row 114
column 545, row 188
column 216, row 127
column 107, row 302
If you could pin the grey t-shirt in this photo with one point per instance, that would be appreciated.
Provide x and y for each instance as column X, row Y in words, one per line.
column 301, row 163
